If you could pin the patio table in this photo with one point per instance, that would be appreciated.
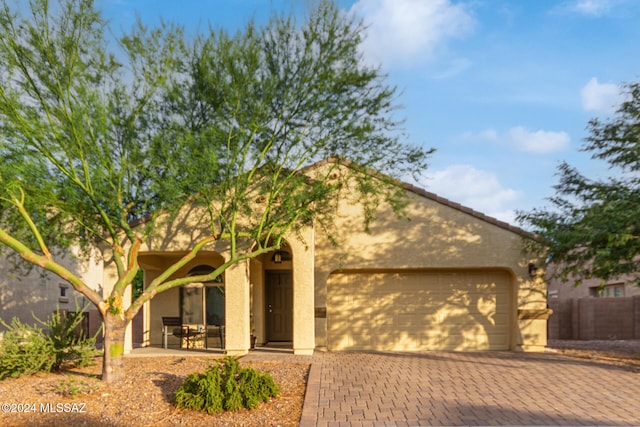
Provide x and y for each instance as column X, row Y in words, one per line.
column 194, row 335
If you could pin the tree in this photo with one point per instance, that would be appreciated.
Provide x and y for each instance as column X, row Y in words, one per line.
column 592, row 229
column 99, row 145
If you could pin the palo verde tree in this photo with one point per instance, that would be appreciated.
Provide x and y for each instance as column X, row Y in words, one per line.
column 592, row 229
column 100, row 140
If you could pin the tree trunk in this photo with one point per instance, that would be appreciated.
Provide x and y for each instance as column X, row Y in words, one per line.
column 113, row 361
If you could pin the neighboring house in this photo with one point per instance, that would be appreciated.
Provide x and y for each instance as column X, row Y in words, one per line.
column 594, row 310
column 444, row 277
column 27, row 292
column 593, row 288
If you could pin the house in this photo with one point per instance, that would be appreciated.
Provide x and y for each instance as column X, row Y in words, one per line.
column 594, row 310
column 27, row 292
column 441, row 277
column 592, row 288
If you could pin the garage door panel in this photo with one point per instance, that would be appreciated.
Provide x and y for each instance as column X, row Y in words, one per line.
column 430, row 340
column 418, row 311
column 500, row 340
column 393, row 341
column 361, row 341
column 380, row 320
column 499, row 319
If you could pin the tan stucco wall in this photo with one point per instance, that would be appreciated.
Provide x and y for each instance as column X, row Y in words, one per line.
column 237, row 309
column 303, row 293
column 258, row 299
column 432, row 236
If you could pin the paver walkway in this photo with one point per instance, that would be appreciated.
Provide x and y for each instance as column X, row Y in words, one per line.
column 491, row 388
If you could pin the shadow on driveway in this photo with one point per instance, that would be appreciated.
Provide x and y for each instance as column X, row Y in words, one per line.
column 489, row 388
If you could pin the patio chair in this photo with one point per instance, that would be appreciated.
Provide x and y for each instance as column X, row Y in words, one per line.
column 168, row 322
column 215, row 330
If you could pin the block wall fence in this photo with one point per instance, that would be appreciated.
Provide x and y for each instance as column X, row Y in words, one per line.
column 595, row 319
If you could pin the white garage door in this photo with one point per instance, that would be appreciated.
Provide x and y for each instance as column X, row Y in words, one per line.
column 396, row 311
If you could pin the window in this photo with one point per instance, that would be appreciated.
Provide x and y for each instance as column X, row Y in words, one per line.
column 201, row 301
column 215, row 305
column 191, row 305
column 615, row 290
column 63, row 293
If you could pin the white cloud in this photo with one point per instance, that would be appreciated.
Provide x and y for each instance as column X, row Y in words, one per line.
column 408, row 31
column 539, row 141
column 489, row 134
column 600, row 97
column 591, row 7
column 475, row 188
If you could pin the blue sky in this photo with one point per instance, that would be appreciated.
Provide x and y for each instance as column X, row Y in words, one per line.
column 503, row 89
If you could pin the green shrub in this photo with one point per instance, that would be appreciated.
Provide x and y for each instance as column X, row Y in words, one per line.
column 225, row 386
column 24, row 349
column 72, row 348
column 28, row 349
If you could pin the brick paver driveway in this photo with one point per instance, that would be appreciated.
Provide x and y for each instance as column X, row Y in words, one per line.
column 492, row 388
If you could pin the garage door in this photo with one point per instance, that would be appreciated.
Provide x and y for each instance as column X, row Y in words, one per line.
column 408, row 311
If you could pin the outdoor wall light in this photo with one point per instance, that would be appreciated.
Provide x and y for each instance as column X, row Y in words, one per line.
column 533, row 269
column 279, row 256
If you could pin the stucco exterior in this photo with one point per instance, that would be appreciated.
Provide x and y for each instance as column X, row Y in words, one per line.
column 434, row 237
column 591, row 288
column 27, row 292
column 593, row 309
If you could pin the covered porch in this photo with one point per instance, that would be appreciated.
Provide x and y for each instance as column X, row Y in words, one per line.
column 265, row 301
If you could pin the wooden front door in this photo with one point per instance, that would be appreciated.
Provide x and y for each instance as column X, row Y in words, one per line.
column 279, row 306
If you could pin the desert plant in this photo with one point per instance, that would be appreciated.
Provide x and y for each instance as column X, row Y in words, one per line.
column 71, row 347
column 24, row 350
column 72, row 387
column 226, row 386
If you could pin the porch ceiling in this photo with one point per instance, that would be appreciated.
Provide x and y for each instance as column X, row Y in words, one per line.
column 155, row 261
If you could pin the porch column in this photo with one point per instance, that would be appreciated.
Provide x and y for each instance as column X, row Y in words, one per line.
column 303, row 293
column 532, row 313
column 237, row 306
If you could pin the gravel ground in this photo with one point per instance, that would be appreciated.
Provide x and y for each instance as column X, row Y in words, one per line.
column 624, row 353
column 79, row 398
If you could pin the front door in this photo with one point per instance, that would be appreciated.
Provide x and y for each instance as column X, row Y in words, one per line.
column 279, row 306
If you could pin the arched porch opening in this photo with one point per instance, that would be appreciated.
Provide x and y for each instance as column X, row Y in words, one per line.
column 192, row 307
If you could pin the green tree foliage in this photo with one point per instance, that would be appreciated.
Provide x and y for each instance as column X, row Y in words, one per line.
column 592, row 229
column 97, row 142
